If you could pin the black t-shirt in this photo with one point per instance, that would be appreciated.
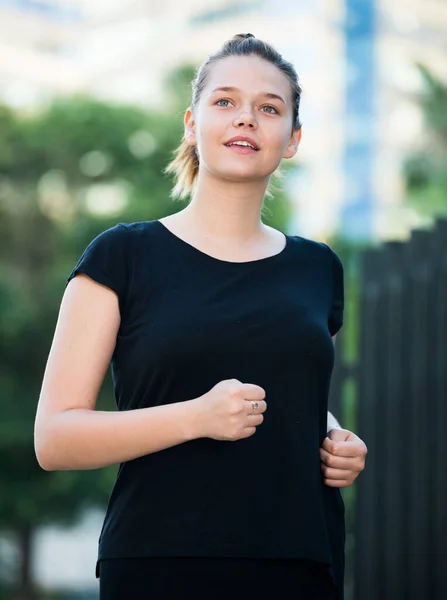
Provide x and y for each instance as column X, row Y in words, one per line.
column 188, row 321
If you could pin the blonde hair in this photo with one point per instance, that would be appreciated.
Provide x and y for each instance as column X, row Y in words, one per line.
column 185, row 164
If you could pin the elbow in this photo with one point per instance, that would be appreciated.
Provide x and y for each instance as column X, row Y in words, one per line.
column 53, row 446
column 46, row 466
column 44, row 449
column 51, row 457
column 43, row 456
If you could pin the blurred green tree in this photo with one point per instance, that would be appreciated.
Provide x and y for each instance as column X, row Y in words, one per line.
column 426, row 170
column 67, row 173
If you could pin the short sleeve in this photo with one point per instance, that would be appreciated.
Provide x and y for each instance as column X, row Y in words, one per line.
column 335, row 320
column 106, row 260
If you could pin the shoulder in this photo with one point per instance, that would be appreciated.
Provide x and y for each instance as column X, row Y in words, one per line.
column 316, row 248
column 136, row 229
column 117, row 234
column 123, row 233
column 334, row 257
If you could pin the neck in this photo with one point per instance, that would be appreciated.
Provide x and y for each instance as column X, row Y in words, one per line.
column 227, row 210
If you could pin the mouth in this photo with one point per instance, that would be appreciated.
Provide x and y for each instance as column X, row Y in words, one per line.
column 242, row 143
column 241, row 149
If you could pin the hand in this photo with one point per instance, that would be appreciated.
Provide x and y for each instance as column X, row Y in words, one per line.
column 342, row 458
column 226, row 413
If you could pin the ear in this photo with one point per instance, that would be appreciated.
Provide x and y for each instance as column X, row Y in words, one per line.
column 294, row 142
column 190, row 127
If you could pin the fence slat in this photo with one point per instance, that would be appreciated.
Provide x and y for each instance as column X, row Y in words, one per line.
column 439, row 432
column 393, row 418
column 366, row 499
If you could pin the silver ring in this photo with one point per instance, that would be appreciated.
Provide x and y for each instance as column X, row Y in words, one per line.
column 255, row 406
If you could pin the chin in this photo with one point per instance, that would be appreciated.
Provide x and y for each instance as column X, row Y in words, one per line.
column 242, row 174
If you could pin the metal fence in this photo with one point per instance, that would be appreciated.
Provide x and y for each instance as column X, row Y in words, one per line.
column 400, row 377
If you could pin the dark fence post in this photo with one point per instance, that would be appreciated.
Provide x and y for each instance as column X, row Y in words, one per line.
column 367, row 428
column 418, row 356
column 438, row 433
column 393, row 466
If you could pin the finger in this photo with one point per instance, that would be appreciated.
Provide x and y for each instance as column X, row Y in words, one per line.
column 262, row 407
column 337, row 484
column 345, row 449
column 252, row 392
column 254, row 420
column 337, row 474
column 339, row 462
column 248, row 431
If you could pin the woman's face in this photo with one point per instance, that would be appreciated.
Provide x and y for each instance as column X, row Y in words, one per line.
column 246, row 109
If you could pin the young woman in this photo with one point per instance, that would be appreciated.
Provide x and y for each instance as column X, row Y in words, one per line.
column 209, row 316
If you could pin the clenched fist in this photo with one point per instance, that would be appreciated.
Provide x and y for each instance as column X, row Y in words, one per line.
column 226, row 411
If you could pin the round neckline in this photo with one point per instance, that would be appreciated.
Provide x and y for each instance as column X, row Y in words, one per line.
column 184, row 243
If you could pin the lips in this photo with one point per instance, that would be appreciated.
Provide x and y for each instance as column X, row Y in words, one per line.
column 243, row 138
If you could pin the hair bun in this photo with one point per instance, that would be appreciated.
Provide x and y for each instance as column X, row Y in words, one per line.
column 244, row 36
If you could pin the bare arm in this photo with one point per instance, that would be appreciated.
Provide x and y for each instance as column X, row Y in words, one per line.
column 69, row 433
column 332, row 422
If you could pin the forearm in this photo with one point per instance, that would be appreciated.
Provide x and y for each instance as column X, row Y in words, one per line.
column 89, row 439
column 332, row 422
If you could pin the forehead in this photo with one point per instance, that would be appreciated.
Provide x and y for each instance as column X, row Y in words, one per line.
column 250, row 74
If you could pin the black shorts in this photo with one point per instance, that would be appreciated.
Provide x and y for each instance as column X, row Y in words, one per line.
column 214, row 579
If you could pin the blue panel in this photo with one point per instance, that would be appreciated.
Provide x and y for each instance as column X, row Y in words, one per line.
column 360, row 122
column 55, row 11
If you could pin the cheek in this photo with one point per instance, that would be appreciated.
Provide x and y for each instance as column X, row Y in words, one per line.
column 275, row 147
column 211, row 130
column 276, row 139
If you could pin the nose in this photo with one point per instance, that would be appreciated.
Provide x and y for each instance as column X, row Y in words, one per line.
column 245, row 118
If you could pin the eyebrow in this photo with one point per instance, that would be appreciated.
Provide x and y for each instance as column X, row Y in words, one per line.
column 234, row 89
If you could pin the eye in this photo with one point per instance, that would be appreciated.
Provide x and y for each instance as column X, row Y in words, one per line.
column 222, row 100
column 269, row 106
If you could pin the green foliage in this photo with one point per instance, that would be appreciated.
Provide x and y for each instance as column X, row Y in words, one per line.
column 426, row 170
column 178, row 86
